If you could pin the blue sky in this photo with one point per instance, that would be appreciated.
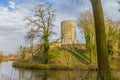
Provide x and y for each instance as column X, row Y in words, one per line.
column 12, row 12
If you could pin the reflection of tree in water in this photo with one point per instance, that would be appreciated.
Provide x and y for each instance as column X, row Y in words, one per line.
column 66, row 75
column 45, row 75
column 58, row 75
column 89, row 75
column 41, row 76
column 81, row 75
column 35, row 74
column 24, row 74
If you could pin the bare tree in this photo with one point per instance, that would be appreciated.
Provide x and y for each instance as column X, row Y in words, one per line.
column 42, row 20
column 30, row 37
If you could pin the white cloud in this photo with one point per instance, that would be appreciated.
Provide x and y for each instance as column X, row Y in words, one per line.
column 111, row 9
column 12, row 4
column 12, row 27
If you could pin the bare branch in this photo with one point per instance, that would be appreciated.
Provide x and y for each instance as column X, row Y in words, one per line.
column 41, row 21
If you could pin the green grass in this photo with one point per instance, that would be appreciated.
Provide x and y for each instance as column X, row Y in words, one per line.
column 58, row 59
column 42, row 66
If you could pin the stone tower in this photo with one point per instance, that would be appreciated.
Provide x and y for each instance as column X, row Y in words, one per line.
column 68, row 32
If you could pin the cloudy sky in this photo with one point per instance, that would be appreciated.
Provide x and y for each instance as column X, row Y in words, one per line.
column 12, row 13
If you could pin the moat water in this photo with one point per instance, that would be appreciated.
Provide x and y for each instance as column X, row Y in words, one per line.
column 7, row 72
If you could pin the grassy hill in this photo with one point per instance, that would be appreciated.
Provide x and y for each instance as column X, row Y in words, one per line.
column 59, row 58
column 63, row 58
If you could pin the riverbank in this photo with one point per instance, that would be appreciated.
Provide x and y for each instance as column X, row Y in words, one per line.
column 42, row 66
column 3, row 61
column 6, row 60
column 59, row 59
column 10, row 57
column 28, row 64
column 62, row 59
column 10, row 73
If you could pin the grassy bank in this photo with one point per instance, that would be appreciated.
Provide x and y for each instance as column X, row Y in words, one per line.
column 58, row 59
column 42, row 66
column 61, row 59
column 34, row 65
column 4, row 60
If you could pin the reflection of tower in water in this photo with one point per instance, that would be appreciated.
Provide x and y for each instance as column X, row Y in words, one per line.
column 68, row 32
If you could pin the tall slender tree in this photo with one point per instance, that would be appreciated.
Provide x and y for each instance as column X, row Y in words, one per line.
column 101, row 44
column 102, row 53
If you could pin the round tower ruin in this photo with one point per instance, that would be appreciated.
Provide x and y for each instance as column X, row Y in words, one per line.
column 68, row 32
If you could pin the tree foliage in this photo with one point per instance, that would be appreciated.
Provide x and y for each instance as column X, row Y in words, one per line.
column 86, row 21
column 112, row 34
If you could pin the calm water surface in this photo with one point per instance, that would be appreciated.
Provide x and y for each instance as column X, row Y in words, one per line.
column 7, row 72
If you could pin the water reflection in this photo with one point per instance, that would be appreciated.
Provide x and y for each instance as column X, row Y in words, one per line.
column 7, row 72
column 56, row 75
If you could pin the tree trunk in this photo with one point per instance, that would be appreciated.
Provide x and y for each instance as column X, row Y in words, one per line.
column 119, row 39
column 102, row 54
column 31, row 45
column 46, row 47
